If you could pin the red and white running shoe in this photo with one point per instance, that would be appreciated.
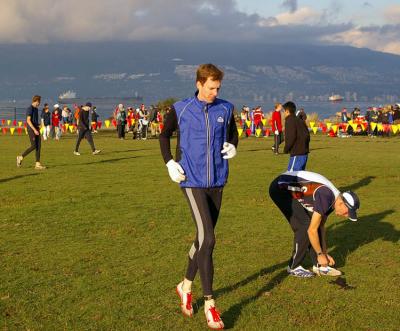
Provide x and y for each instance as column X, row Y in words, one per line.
column 186, row 300
column 214, row 320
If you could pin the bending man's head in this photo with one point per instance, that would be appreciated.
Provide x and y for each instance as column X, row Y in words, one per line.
column 346, row 205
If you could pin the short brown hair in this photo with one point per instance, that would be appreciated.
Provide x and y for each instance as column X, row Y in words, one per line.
column 208, row 70
column 36, row 98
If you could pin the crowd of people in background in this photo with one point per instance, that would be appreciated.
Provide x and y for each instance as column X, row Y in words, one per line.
column 145, row 122
column 141, row 121
column 53, row 121
column 138, row 121
column 385, row 116
column 376, row 120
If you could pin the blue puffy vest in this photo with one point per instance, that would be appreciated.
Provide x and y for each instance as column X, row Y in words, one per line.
column 203, row 129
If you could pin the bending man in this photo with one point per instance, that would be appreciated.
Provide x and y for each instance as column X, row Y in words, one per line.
column 306, row 199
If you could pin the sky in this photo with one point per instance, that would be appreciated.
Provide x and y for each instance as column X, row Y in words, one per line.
column 373, row 24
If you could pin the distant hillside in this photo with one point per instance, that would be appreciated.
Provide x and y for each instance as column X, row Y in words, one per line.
column 160, row 70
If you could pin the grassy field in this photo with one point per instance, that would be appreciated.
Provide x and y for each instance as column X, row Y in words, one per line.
column 99, row 242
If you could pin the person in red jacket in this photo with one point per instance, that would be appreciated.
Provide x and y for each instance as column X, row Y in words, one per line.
column 277, row 127
column 55, row 121
column 258, row 117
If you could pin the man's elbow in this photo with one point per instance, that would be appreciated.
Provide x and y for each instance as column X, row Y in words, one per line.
column 311, row 232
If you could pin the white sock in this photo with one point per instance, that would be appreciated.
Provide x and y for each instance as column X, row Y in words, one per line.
column 187, row 286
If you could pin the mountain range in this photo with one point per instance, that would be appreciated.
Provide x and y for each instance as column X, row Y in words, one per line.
column 158, row 70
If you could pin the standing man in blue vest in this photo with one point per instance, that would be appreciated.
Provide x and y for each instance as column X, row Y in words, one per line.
column 207, row 138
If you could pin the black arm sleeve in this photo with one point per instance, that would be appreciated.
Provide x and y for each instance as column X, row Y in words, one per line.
column 290, row 134
column 232, row 136
column 170, row 125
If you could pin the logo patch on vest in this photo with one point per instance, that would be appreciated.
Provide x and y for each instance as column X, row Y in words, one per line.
column 220, row 120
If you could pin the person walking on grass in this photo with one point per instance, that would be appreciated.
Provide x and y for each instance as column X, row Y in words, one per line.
column 84, row 129
column 56, row 122
column 207, row 138
column 297, row 138
column 306, row 199
column 33, row 127
column 46, row 121
column 277, row 127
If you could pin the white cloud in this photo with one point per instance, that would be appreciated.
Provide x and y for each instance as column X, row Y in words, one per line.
column 108, row 77
column 41, row 21
column 64, row 78
column 304, row 15
column 384, row 39
column 392, row 14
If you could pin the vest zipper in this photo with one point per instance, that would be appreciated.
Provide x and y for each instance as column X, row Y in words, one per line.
column 208, row 147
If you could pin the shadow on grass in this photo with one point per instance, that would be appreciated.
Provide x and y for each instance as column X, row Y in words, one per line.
column 349, row 236
column 233, row 313
column 102, row 161
column 318, row 148
column 127, row 151
column 5, row 180
column 250, row 279
column 257, row 150
column 363, row 182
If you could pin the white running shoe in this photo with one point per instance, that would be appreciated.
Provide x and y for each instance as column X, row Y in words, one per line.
column 300, row 272
column 214, row 320
column 97, row 151
column 186, row 300
column 39, row 166
column 76, row 153
column 326, row 271
column 19, row 161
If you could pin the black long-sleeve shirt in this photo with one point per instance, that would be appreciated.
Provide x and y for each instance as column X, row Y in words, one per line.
column 297, row 137
column 83, row 122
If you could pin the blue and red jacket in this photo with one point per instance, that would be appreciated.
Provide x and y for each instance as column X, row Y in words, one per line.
column 202, row 130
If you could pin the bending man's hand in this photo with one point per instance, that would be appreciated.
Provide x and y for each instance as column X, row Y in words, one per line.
column 229, row 150
column 322, row 260
column 330, row 259
column 175, row 171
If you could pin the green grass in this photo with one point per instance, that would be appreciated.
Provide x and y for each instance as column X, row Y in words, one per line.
column 99, row 242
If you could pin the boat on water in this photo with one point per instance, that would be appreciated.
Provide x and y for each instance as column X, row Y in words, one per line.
column 70, row 97
column 335, row 98
column 67, row 95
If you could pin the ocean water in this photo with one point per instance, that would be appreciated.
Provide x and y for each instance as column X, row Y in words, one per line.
column 16, row 108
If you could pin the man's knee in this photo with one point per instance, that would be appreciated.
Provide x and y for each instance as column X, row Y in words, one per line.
column 208, row 243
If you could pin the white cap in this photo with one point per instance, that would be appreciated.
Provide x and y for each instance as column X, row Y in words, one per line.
column 56, row 105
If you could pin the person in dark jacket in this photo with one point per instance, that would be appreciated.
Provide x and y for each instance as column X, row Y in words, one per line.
column 95, row 118
column 297, row 138
column 33, row 128
column 84, row 129
column 207, row 138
